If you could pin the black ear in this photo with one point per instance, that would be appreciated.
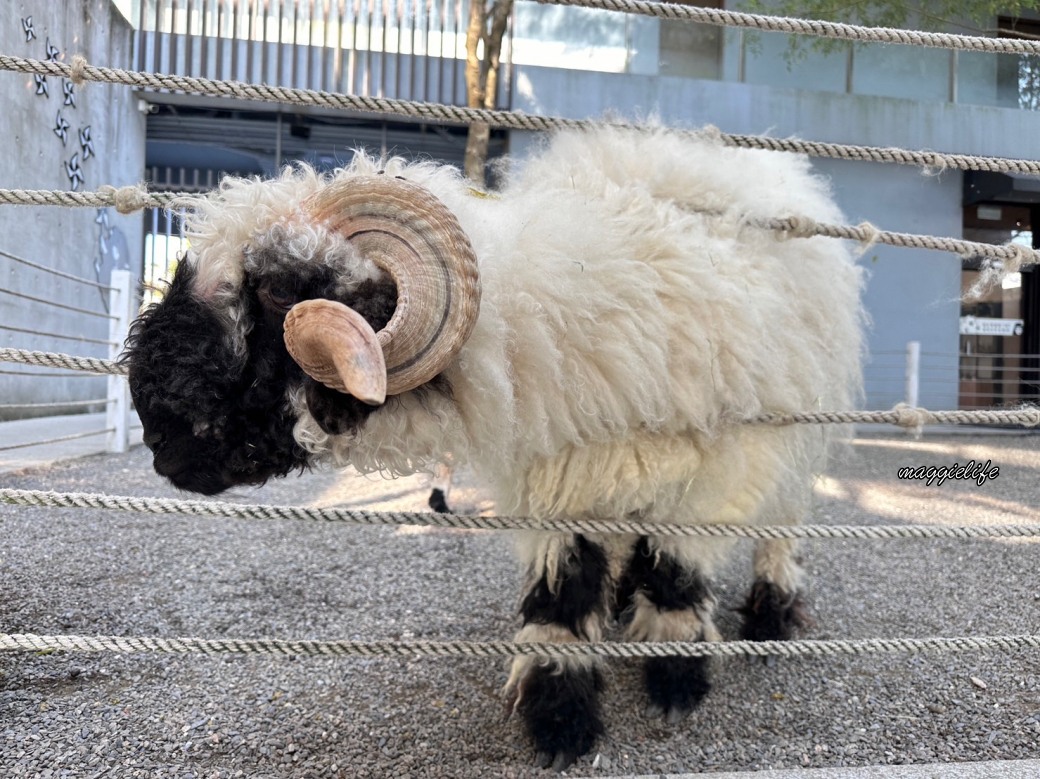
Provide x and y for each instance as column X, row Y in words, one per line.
column 335, row 412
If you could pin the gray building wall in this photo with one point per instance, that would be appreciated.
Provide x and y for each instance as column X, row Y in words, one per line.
column 85, row 242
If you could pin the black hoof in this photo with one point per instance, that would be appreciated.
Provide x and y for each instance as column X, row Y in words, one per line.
column 675, row 686
column 770, row 614
column 438, row 503
column 561, row 712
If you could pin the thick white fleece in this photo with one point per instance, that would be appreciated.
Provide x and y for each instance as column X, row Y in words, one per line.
column 624, row 334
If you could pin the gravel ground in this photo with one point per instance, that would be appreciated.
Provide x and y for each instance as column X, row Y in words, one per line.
column 96, row 572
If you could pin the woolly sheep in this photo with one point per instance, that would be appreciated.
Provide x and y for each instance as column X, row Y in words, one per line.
column 630, row 321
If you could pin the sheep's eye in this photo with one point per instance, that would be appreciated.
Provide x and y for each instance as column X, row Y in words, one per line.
column 282, row 298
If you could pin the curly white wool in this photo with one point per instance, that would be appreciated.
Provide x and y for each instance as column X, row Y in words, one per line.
column 624, row 332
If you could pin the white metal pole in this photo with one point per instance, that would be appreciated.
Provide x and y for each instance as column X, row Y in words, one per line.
column 913, row 371
column 121, row 305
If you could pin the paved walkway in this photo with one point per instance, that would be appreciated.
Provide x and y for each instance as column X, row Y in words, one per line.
column 31, row 443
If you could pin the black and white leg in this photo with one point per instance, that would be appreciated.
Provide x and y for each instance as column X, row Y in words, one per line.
column 439, row 488
column 565, row 600
column 664, row 596
column 774, row 609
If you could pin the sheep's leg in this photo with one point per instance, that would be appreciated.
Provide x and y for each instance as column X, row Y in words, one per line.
column 774, row 608
column 439, row 488
column 565, row 601
column 665, row 597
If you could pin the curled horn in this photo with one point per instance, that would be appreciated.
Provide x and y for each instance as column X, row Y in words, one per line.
column 412, row 236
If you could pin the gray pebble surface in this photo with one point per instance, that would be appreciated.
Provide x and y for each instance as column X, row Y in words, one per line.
column 72, row 571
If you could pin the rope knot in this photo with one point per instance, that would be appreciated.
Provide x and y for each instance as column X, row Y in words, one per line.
column 798, row 227
column 910, row 417
column 712, row 134
column 78, row 68
column 1019, row 256
column 1031, row 416
column 127, row 199
column 870, row 236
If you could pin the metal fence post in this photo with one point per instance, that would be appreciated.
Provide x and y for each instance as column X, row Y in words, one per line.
column 913, row 371
column 121, row 306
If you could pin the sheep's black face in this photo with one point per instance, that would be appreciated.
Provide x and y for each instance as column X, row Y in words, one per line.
column 214, row 418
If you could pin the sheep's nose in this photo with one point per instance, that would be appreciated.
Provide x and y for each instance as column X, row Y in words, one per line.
column 153, row 441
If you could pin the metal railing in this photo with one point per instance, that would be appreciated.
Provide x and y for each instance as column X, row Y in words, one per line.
column 35, row 320
column 965, row 381
column 408, row 49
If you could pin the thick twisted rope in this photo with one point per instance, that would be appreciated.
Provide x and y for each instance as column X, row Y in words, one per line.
column 902, row 415
column 815, row 27
column 125, row 200
column 1013, row 257
column 205, row 508
column 498, row 649
column 438, row 113
column 909, row 417
column 58, row 360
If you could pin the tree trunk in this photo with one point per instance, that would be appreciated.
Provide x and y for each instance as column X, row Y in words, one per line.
column 482, row 77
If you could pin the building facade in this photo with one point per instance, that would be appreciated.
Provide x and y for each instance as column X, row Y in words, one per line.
column 586, row 64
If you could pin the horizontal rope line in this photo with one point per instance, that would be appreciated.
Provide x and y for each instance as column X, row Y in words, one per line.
column 909, row 417
column 125, row 199
column 440, row 113
column 59, row 360
column 814, row 27
column 55, row 272
column 417, row 648
column 70, row 437
column 902, row 415
column 47, row 499
column 1013, row 256
column 937, row 161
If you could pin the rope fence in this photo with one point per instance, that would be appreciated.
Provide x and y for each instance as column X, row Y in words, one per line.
column 128, row 199
column 439, row 113
column 502, row 649
column 1013, row 257
column 58, row 360
column 901, row 415
column 213, row 508
column 817, row 28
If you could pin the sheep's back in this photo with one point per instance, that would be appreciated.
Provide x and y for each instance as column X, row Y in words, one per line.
column 631, row 317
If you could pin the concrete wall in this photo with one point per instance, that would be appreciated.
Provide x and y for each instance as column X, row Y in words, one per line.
column 85, row 242
column 912, row 295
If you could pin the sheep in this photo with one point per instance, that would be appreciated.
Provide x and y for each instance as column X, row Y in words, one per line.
column 614, row 322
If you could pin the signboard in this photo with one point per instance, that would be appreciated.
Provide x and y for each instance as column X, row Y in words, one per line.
column 979, row 325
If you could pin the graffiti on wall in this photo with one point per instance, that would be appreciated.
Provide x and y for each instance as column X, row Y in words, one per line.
column 111, row 248
column 73, row 166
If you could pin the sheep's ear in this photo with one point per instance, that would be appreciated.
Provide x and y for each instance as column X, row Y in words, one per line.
column 335, row 346
column 417, row 240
